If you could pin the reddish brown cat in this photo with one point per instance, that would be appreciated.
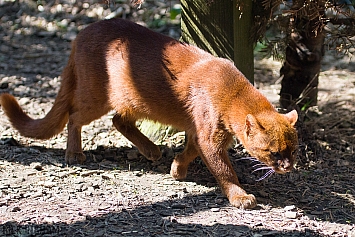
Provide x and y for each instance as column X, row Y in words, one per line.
column 118, row 65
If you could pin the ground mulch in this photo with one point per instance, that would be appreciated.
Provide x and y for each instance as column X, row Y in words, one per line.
column 117, row 192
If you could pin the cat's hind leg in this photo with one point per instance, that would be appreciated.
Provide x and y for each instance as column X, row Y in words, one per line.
column 181, row 162
column 74, row 153
column 128, row 129
column 83, row 116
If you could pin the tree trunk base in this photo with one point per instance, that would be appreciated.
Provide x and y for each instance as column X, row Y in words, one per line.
column 300, row 70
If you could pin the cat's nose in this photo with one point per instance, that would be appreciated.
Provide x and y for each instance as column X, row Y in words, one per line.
column 284, row 165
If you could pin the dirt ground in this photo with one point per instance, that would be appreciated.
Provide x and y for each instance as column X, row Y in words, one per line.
column 118, row 192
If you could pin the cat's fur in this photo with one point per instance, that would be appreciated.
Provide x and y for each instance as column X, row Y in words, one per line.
column 118, row 65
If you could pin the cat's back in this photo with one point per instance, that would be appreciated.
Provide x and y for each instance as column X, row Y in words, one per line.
column 108, row 34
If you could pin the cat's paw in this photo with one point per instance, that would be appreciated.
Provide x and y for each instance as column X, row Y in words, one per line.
column 153, row 153
column 246, row 201
column 74, row 158
column 178, row 171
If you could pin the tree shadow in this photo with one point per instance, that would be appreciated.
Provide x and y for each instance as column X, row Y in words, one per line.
column 156, row 219
column 322, row 185
column 320, row 194
column 323, row 191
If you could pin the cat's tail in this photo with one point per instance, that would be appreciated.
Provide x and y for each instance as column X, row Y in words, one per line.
column 56, row 119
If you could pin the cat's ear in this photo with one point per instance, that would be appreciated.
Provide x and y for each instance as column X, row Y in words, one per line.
column 292, row 117
column 251, row 124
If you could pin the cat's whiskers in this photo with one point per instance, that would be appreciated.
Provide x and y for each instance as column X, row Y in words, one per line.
column 260, row 164
column 252, row 159
column 262, row 168
column 267, row 174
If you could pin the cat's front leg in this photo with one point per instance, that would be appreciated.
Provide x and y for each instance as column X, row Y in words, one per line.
column 217, row 161
column 237, row 196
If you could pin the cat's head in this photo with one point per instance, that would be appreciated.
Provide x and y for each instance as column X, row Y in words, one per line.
column 272, row 139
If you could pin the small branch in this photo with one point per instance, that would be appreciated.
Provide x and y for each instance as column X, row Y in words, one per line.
column 342, row 21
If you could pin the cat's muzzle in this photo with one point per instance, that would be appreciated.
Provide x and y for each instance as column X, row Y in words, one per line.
column 283, row 166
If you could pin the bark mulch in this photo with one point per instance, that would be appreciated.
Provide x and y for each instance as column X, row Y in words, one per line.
column 118, row 192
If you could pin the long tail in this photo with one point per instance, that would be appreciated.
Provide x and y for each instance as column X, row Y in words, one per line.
column 56, row 119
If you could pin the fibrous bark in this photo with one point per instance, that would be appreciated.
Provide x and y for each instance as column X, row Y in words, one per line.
column 300, row 70
column 304, row 53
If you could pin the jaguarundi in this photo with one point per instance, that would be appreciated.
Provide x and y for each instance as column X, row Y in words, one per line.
column 122, row 66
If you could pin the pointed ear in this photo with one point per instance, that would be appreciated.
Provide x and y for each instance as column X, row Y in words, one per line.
column 292, row 117
column 250, row 124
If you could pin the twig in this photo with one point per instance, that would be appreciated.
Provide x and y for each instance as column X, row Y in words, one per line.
column 348, row 215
